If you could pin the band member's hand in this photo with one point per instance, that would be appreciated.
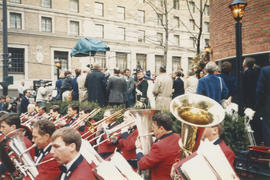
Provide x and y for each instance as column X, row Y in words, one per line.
column 172, row 174
column 138, row 143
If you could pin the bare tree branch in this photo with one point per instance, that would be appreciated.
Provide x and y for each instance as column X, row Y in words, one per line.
column 190, row 13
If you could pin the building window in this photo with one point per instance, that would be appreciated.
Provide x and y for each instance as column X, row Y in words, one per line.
column 192, row 23
column 16, row 66
column 193, row 41
column 16, row 1
column 159, row 61
column 159, row 19
column 176, row 64
column 121, row 60
column 63, row 57
column 176, row 4
column 176, row 22
column 141, row 18
column 122, row 33
column 46, row 24
column 192, row 6
column 206, row 11
column 98, row 9
column 141, row 1
column 160, row 38
column 100, row 58
column 46, row 3
column 74, row 27
column 141, row 36
column 74, row 5
column 15, row 20
column 206, row 24
column 121, row 13
column 99, row 31
column 176, row 39
column 141, row 61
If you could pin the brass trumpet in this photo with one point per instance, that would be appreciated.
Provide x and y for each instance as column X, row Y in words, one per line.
column 77, row 124
column 92, row 126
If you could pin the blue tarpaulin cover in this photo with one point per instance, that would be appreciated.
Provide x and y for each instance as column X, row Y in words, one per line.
column 86, row 46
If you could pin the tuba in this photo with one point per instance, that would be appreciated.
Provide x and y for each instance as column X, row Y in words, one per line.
column 18, row 160
column 195, row 112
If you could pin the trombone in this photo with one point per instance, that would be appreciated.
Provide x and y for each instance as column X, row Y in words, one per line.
column 92, row 126
column 77, row 124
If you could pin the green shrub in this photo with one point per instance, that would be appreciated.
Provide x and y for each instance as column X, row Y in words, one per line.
column 235, row 134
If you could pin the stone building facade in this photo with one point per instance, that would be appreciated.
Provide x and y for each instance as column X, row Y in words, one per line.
column 255, row 30
column 41, row 31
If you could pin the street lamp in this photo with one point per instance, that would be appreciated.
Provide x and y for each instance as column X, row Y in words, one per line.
column 58, row 64
column 238, row 7
column 207, row 50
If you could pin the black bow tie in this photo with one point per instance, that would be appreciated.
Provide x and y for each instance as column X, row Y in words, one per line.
column 63, row 169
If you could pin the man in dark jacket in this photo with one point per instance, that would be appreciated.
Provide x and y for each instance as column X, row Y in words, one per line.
column 178, row 85
column 25, row 101
column 263, row 102
column 75, row 89
column 66, row 86
column 116, row 89
column 250, row 78
column 96, row 86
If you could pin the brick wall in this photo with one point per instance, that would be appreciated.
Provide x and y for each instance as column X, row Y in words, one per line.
column 255, row 28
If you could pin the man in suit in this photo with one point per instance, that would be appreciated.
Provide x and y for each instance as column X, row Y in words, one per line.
column 66, row 144
column 96, row 86
column 42, row 133
column 164, row 151
column 250, row 78
column 130, row 88
column 25, row 101
column 178, row 85
column 117, row 89
column 263, row 102
column 211, row 85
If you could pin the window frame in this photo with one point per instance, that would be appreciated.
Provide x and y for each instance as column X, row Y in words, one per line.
column 120, row 33
column 73, row 9
column 12, row 59
column 42, row 3
column 21, row 20
column 40, row 20
column 100, row 25
column 141, row 17
column 121, row 16
column 69, row 27
column 97, row 10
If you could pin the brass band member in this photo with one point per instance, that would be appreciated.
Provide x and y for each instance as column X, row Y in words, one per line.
column 84, row 112
column 126, row 142
column 164, row 151
column 10, row 124
column 31, row 112
column 42, row 133
column 66, row 143
column 55, row 113
column 213, row 135
column 40, row 115
column 107, row 148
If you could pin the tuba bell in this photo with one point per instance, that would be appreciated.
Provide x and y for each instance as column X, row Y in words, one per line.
column 18, row 160
column 195, row 112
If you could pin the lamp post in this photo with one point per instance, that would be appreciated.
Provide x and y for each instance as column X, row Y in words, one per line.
column 4, row 83
column 238, row 7
column 58, row 64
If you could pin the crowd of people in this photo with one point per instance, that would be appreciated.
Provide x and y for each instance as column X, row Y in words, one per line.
column 58, row 137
